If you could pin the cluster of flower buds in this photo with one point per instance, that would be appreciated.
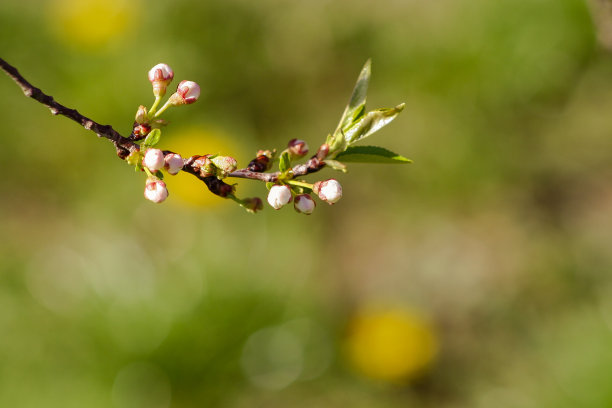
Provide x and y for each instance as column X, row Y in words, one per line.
column 329, row 191
column 155, row 160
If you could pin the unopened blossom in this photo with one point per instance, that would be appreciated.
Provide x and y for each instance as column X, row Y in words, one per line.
column 329, row 191
column 187, row 92
column 252, row 205
column 297, row 148
column 155, row 190
column 279, row 196
column 225, row 164
column 304, row 204
column 160, row 76
column 154, row 159
column 173, row 163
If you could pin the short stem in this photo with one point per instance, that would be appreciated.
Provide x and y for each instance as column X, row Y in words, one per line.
column 155, row 104
column 163, row 108
column 146, row 169
column 300, row 184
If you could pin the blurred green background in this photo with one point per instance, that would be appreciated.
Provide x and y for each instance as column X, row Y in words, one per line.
column 479, row 276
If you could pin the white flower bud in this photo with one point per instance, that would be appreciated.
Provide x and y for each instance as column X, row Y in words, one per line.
column 329, row 191
column 304, row 204
column 187, row 92
column 154, row 159
column 141, row 114
column 279, row 196
column 160, row 76
column 173, row 163
column 155, row 190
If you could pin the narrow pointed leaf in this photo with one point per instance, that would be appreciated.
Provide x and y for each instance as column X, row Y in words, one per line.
column 371, row 122
column 356, row 106
column 336, row 165
column 371, row 154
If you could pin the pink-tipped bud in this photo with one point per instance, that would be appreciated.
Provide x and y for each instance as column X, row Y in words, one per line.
column 141, row 115
column 154, row 159
column 304, row 204
column 297, row 148
column 160, row 76
column 155, row 190
column 187, row 92
column 329, row 191
column 252, row 205
column 173, row 163
column 279, row 196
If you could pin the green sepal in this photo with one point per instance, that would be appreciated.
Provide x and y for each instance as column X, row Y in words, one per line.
column 284, row 163
column 152, row 138
column 269, row 185
column 159, row 174
column 371, row 154
column 371, row 122
column 336, row 165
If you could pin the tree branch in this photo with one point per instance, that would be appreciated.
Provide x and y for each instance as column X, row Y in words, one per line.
column 125, row 145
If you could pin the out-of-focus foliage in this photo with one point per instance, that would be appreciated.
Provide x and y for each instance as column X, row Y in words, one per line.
column 499, row 233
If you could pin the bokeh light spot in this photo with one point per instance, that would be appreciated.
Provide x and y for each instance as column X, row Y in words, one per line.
column 390, row 344
column 91, row 24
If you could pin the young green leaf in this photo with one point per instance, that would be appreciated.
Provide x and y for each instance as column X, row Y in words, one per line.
column 336, row 165
column 356, row 106
column 371, row 122
column 285, row 162
column 371, row 154
column 152, row 138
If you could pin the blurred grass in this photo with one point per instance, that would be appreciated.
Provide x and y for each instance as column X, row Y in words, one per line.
column 499, row 232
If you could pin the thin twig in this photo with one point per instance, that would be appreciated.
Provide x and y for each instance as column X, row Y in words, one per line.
column 125, row 146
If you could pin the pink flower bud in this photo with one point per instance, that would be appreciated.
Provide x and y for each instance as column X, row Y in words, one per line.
column 160, row 76
column 155, row 190
column 173, row 163
column 329, row 191
column 187, row 92
column 297, row 148
column 154, row 159
column 279, row 196
column 304, row 204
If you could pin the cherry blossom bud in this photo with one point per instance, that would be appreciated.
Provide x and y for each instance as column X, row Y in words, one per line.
column 279, row 196
column 155, row 190
column 154, row 159
column 225, row 164
column 329, row 191
column 304, row 204
column 323, row 151
column 160, row 76
column 252, row 205
column 202, row 164
column 173, row 163
column 297, row 148
column 141, row 114
column 187, row 92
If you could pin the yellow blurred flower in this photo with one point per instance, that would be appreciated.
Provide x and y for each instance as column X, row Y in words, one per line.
column 390, row 344
column 91, row 24
column 196, row 141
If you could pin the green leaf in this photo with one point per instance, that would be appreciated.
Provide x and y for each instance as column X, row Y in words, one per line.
column 336, row 165
column 356, row 106
column 152, row 138
column 285, row 162
column 371, row 122
column 371, row 154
